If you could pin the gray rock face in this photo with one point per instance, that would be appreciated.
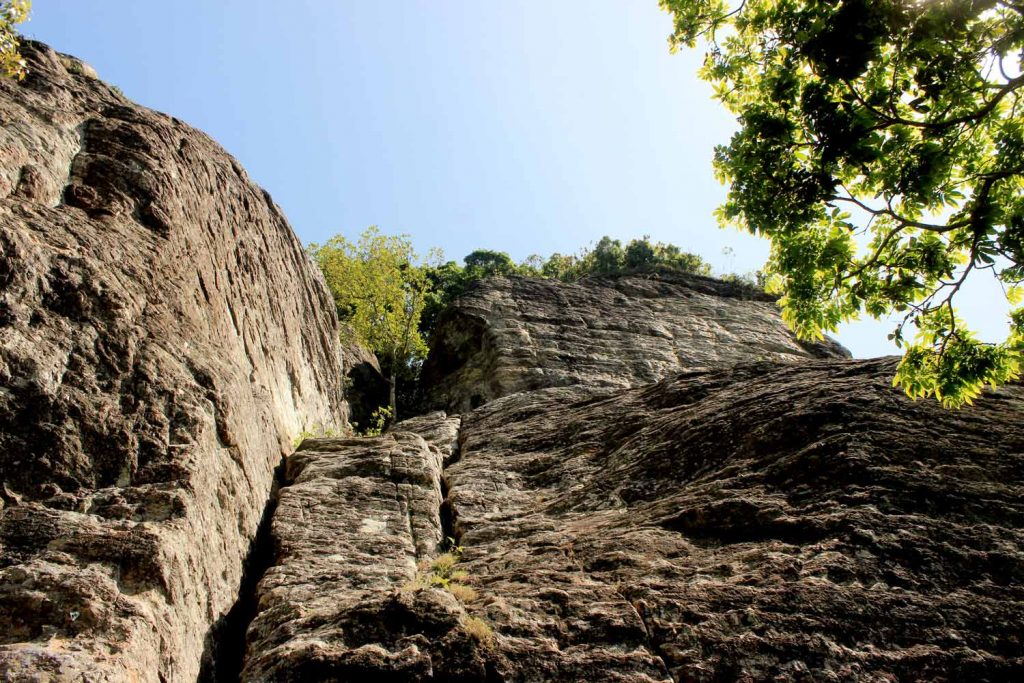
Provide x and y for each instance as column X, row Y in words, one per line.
column 163, row 339
column 521, row 334
column 765, row 522
column 762, row 523
column 355, row 521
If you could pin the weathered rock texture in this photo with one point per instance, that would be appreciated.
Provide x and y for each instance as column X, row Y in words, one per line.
column 355, row 521
column 163, row 339
column 762, row 523
column 520, row 334
column 766, row 522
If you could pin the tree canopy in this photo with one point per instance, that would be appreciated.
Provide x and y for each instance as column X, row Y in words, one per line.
column 881, row 150
column 380, row 288
column 12, row 13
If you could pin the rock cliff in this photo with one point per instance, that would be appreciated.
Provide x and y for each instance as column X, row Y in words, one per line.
column 634, row 479
column 520, row 334
column 754, row 519
column 163, row 340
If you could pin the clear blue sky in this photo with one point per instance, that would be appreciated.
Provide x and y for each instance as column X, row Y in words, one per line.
column 526, row 126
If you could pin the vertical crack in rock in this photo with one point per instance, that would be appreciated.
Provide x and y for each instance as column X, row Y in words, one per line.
column 652, row 644
column 447, row 513
column 403, row 501
column 224, row 653
column 340, row 601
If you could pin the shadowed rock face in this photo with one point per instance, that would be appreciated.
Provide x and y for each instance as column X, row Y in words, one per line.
column 766, row 522
column 520, row 334
column 163, row 339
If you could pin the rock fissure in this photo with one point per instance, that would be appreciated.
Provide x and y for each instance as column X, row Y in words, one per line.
column 402, row 500
column 652, row 643
column 224, row 653
column 447, row 513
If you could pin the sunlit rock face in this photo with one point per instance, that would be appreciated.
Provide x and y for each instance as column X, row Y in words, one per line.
column 519, row 334
column 773, row 512
column 163, row 341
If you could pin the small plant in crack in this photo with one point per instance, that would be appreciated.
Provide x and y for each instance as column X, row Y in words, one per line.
column 317, row 431
column 444, row 573
column 479, row 630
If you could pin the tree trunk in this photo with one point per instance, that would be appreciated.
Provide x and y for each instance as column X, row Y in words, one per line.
column 391, row 397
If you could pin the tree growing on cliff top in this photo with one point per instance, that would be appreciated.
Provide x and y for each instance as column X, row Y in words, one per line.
column 380, row 287
column 449, row 280
column 881, row 150
column 12, row 13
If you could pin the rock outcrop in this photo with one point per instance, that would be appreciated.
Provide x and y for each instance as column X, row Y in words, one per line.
column 762, row 523
column 757, row 519
column 163, row 340
column 521, row 334
column 648, row 478
column 355, row 520
column 765, row 522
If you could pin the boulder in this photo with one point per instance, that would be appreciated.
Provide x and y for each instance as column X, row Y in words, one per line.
column 163, row 340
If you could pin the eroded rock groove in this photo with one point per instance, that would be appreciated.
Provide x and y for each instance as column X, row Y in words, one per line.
column 224, row 653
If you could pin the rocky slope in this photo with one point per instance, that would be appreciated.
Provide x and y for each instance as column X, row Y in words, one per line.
column 163, row 340
column 520, row 334
column 752, row 521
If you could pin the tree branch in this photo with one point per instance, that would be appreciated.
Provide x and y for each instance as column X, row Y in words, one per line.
column 893, row 120
column 905, row 222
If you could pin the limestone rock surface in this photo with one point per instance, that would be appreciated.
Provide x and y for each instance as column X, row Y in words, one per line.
column 520, row 334
column 163, row 339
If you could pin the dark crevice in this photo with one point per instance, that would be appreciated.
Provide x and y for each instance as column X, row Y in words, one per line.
column 224, row 651
column 450, row 533
column 652, row 645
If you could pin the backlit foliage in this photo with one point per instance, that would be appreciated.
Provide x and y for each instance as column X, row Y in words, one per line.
column 379, row 286
column 12, row 13
column 881, row 150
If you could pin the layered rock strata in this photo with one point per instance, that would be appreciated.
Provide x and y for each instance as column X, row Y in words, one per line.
column 765, row 522
column 520, row 334
column 163, row 339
